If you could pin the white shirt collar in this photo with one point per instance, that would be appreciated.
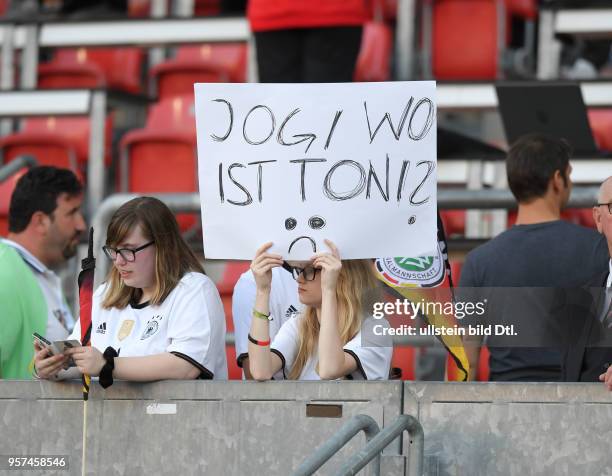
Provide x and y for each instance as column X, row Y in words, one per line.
column 27, row 256
column 610, row 275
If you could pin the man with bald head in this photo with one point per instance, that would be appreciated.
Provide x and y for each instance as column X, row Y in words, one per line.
column 589, row 357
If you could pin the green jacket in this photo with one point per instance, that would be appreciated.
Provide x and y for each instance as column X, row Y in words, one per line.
column 23, row 310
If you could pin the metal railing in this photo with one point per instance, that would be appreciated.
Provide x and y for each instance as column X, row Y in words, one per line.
column 328, row 449
column 372, row 449
column 376, row 442
column 16, row 165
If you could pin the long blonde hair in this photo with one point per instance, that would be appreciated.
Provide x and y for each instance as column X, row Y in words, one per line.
column 173, row 257
column 355, row 292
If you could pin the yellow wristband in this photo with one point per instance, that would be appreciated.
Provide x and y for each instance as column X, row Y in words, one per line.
column 261, row 315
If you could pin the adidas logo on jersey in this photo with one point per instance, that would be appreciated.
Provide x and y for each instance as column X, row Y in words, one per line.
column 291, row 312
column 101, row 328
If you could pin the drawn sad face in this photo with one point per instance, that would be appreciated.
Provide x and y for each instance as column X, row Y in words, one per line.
column 314, row 222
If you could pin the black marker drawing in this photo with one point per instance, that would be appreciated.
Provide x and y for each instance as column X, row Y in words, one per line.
column 402, row 179
column 316, row 222
column 312, row 242
column 372, row 173
column 387, row 117
column 303, row 173
column 231, row 121
column 290, row 223
column 428, row 120
column 339, row 196
column 412, row 219
column 260, row 175
column 272, row 120
column 221, row 194
column 430, row 168
column 332, row 129
column 302, row 137
column 249, row 199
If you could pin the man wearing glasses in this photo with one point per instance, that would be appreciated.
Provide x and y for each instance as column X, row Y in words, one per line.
column 589, row 357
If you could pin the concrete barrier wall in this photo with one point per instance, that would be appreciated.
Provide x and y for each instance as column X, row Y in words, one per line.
column 243, row 428
column 513, row 429
column 192, row 428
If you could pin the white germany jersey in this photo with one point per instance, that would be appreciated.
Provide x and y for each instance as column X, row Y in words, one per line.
column 190, row 324
column 373, row 362
column 284, row 305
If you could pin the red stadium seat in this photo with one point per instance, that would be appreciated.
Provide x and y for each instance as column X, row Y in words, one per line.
column 233, row 270
column 139, row 8
column 231, row 273
column 527, row 9
column 233, row 371
column 403, row 359
column 584, row 216
column 6, row 190
column 206, row 8
column 456, row 271
column 601, row 126
column 161, row 158
column 142, row 8
column 115, row 68
column 59, row 141
column 223, row 62
column 453, row 221
column 464, row 39
column 374, row 60
column 3, row 7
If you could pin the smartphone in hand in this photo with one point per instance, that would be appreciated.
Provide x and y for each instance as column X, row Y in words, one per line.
column 44, row 343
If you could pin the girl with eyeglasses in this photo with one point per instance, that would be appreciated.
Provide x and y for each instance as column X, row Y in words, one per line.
column 158, row 316
column 328, row 339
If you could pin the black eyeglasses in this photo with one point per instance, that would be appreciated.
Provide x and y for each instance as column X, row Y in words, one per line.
column 309, row 272
column 609, row 205
column 127, row 254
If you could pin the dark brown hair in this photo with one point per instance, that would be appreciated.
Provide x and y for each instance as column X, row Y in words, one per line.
column 173, row 257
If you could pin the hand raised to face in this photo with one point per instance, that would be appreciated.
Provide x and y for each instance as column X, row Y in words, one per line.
column 262, row 265
column 330, row 266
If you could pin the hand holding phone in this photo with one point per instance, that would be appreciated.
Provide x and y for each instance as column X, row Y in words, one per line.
column 47, row 361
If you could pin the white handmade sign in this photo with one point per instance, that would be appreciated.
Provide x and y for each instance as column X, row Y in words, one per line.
column 297, row 163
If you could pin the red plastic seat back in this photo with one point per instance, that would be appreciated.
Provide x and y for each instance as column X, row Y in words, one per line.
column 453, row 221
column 6, row 190
column 117, row 68
column 57, row 155
column 162, row 156
column 601, row 126
column 173, row 114
column 228, row 57
column 464, row 39
column 206, row 8
column 212, row 63
column 403, row 359
column 374, row 60
column 74, row 129
column 527, row 9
